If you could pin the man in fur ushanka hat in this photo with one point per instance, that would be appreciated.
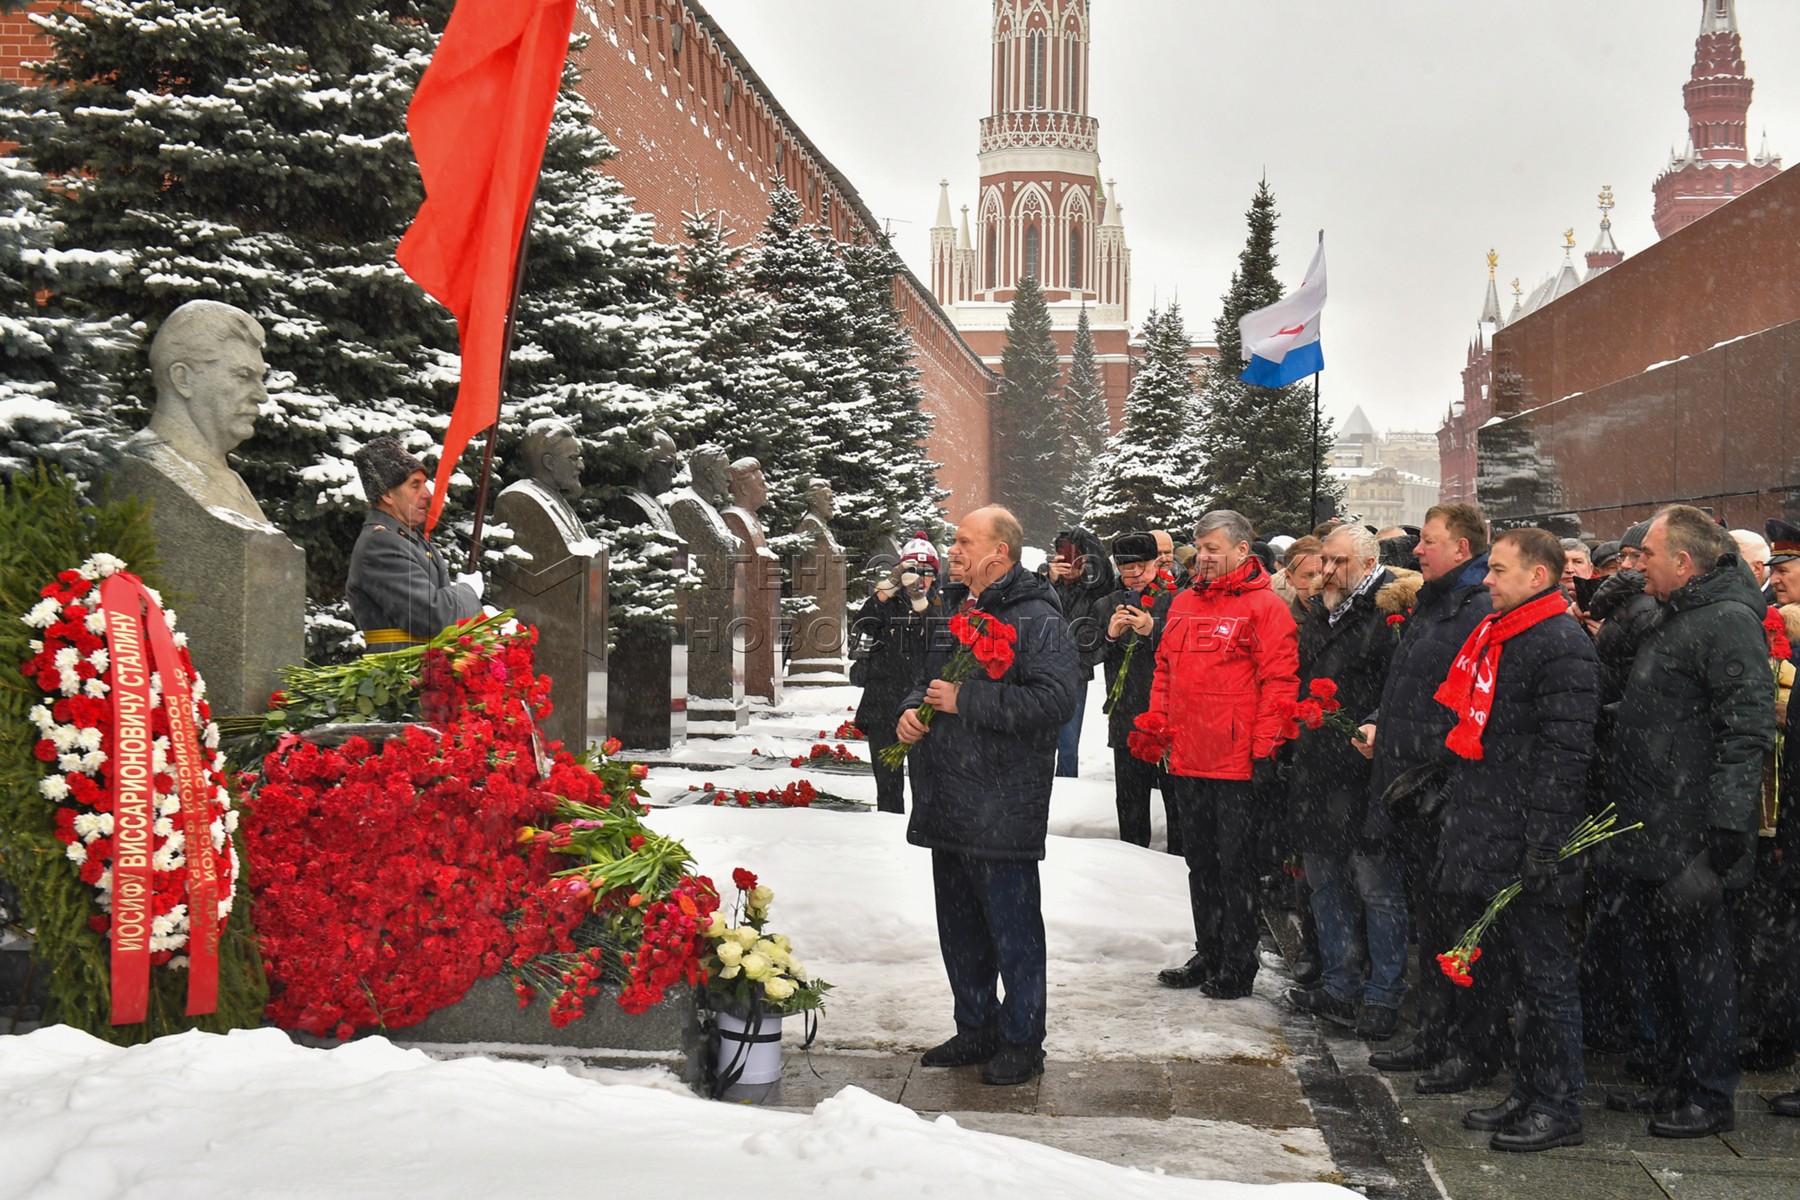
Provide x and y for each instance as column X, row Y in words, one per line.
column 399, row 590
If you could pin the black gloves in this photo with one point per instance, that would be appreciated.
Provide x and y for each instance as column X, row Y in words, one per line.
column 1263, row 773
column 1725, row 848
column 1538, row 868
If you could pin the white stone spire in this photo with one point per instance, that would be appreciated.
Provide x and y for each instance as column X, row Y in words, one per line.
column 1718, row 16
column 943, row 212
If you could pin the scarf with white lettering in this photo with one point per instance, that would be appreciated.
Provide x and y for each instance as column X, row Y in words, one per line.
column 1468, row 691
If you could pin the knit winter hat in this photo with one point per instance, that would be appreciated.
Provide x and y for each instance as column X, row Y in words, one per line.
column 1131, row 548
column 384, row 465
column 920, row 551
column 1634, row 537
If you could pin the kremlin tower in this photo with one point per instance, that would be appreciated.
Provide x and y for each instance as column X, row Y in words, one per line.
column 1716, row 166
column 1041, row 209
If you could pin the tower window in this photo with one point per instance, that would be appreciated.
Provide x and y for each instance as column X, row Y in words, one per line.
column 1074, row 256
column 1031, row 252
column 1034, row 69
column 990, row 251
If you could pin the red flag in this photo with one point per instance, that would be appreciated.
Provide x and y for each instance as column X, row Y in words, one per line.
column 479, row 121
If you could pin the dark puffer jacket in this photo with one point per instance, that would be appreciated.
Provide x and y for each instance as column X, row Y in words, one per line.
column 1410, row 726
column 1627, row 615
column 985, row 770
column 1529, row 788
column 1134, row 697
column 1689, row 735
column 1328, row 778
column 1086, row 599
column 897, row 638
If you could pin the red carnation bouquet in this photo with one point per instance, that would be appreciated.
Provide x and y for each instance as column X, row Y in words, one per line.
column 1457, row 962
column 1321, row 709
column 1780, row 648
column 1163, row 583
column 1151, row 739
column 986, row 643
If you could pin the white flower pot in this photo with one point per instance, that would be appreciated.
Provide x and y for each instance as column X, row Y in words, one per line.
column 757, row 1052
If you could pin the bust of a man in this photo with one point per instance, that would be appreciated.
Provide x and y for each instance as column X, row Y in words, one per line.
column 820, row 502
column 748, row 491
column 659, row 473
column 207, row 365
column 537, row 507
column 711, row 470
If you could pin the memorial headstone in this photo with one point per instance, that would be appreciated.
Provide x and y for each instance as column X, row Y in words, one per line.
column 762, row 582
column 646, row 677
column 714, row 614
column 818, row 572
column 236, row 581
column 559, row 585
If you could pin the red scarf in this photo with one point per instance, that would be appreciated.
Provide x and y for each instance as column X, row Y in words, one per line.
column 1468, row 690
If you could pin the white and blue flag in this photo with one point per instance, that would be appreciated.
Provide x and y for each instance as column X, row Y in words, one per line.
column 1281, row 342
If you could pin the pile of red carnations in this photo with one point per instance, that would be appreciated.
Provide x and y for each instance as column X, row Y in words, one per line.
column 390, row 878
column 821, row 753
column 799, row 794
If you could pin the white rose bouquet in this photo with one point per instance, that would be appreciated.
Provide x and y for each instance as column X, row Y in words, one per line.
column 745, row 961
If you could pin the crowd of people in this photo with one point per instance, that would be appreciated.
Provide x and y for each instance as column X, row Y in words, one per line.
column 1409, row 721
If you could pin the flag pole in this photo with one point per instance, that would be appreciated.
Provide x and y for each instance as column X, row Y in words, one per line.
column 1314, row 510
column 506, row 345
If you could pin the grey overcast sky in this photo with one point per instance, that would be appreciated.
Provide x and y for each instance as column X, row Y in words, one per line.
column 1416, row 133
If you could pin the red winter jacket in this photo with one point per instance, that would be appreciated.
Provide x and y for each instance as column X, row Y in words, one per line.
column 1226, row 668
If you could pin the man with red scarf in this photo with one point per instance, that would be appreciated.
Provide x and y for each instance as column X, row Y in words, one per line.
column 1524, row 691
column 1227, row 670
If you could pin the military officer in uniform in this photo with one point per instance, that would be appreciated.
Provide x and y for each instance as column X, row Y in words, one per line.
column 400, row 592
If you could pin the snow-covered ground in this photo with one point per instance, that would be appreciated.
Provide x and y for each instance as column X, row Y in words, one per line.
column 856, row 900
column 251, row 1116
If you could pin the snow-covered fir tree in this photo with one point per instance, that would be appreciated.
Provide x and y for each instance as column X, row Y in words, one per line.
column 1146, row 479
column 915, row 501
column 603, row 341
column 55, row 403
column 1030, row 469
column 1086, row 424
column 1258, row 444
column 253, row 153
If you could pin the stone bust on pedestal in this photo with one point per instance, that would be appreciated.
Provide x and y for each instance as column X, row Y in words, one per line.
column 818, row 571
column 242, row 583
column 713, row 614
column 560, row 586
column 647, row 676
column 762, row 581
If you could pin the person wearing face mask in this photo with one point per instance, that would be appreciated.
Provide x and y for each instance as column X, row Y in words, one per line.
column 888, row 642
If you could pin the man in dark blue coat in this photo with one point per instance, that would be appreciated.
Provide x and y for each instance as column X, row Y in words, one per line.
column 1406, row 734
column 1524, row 692
column 986, row 764
column 1135, row 615
column 399, row 590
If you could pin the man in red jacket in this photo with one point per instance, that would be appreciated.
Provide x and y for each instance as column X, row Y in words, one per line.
column 1227, row 677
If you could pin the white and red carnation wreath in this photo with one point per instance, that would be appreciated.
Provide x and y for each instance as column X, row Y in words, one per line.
column 75, row 662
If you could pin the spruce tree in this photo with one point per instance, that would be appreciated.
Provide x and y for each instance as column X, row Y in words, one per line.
column 603, row 342
column 1030, row 469
column 1146, row 478
column 1257, row 443
column 914, row 501
column 252, row 153
column 1086, row 425
column 55, row 405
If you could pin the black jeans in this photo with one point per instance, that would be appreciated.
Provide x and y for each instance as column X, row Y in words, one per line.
column 1688, row 966
column 990, row 917
column 1219, row 826
column 1464, row 1021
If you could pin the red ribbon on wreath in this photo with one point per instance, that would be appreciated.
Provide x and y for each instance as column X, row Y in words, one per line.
column 140, row 641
